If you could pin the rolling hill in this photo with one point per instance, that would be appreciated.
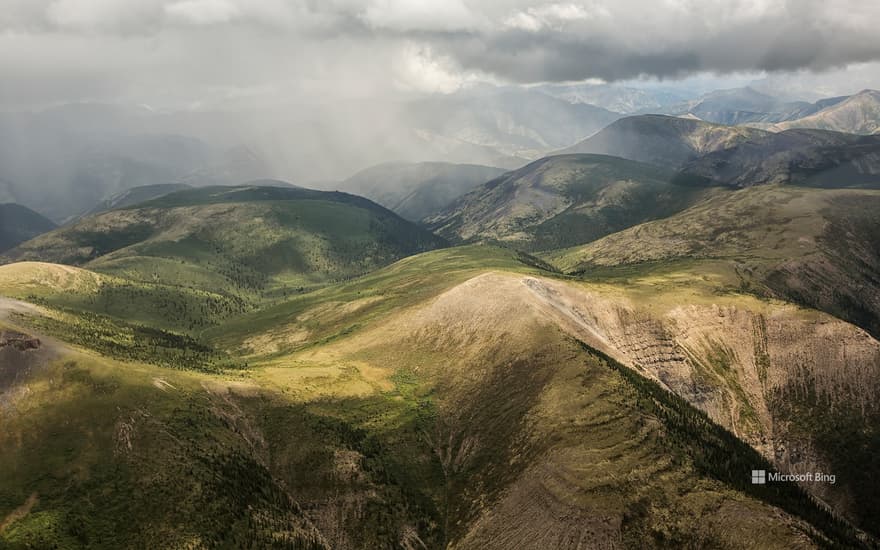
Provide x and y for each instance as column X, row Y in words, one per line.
column 563, row 200
column 817, row 158
column 245, row 239
column 812, row 246
column 19, row 223
column 662, row 140
column 417, row 190
column 460, row 398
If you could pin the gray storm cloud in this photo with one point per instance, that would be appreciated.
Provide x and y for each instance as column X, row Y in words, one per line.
column 97, row 96
column 79, row 49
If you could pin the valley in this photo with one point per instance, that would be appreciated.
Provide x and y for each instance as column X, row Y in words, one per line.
column 409, row 388
column 593, row 350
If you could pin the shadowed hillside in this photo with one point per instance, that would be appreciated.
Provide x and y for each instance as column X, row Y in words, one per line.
column 562, row 201
column 663, row 140
column 816, row 158
column 19, row 223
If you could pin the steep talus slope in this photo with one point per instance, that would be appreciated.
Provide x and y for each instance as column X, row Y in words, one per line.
column 856, row 114
column 418, row 190
column 239, row 240
column 804, row 157
column 563, row 200
column 663, row 140
column 798, row 385
column 19, row 223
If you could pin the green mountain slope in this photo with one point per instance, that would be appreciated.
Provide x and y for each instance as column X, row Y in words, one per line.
column 817, row 247
column 663, row 140
column 19, row 223
column 562, row 201
column 453, row 399
column 418, row 190
column 814, row 247
column 804, row 157
column 236, row 240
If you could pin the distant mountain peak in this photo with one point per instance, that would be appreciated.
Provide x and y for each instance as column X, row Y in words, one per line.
column 662, row 139
column 856, row 114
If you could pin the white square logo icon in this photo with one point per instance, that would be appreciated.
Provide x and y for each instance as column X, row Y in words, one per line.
column 759, row 477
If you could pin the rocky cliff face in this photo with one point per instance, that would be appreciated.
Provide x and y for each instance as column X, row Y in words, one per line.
column 780, row 377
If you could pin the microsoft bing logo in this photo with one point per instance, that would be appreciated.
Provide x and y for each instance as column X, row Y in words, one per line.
column 759, row 477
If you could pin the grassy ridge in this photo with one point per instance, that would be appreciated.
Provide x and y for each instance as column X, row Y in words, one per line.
column 354, row 304
column 244, row 241
column 437, row 446
column 815, row 247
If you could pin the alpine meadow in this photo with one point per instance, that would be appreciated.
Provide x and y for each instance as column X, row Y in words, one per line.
column 460, row 275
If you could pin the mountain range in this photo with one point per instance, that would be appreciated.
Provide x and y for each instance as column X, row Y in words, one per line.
column 595, row 349
column 63, row 160
column 856, row 114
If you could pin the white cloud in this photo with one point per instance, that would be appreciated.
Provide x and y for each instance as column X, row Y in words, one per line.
column 203, row 12
column 419, row 15
column 101, row 15
column 417, row 70
column 183, row 47
column 551, row 16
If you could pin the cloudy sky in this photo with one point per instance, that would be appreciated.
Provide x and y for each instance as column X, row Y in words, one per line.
column 201, row 52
